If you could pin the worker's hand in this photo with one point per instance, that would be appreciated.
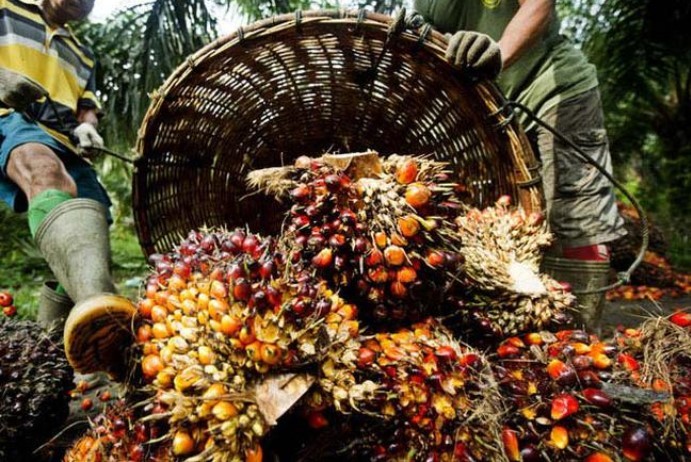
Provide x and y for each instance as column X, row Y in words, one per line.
column 87, row 138
column 476, row 53
column 18, row 91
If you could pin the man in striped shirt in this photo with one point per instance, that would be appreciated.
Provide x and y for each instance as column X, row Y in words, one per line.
column 48, row 118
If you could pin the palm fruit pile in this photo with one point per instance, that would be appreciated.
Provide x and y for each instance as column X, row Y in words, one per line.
column 434, row 394
column 118, row 435
column 571, row 396
column 215, row 319
column 504, row 292
column 662, row 350
column 35, row 379
column 343, row 299
column 383, row 232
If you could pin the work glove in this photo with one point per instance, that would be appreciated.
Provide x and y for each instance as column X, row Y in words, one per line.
column 18, row 91
column 87, row 138
column 475, row 52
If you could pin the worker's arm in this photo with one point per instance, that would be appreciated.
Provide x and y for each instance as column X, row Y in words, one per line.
column 526, row 28
column 86, row 132
column 89, row 116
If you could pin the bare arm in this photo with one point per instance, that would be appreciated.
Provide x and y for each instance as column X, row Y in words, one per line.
column 526, row 27
column 89, row 116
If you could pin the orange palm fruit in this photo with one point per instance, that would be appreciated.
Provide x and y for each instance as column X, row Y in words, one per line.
column 407, row 172
column 417, row 195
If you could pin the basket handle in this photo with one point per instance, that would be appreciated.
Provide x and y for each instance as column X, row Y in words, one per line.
column 623, row 277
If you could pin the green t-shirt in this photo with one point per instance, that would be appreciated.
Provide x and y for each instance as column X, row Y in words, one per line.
column 551, row 71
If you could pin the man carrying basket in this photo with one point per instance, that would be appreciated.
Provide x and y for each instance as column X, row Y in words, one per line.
column 518, row 43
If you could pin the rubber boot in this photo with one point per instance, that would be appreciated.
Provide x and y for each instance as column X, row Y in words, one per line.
column 53, row 307
column 74, row 240
column 583, row 275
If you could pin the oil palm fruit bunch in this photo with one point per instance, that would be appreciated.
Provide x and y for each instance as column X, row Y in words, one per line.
column 504, row 292
column 435, row 395
column 383, row 233
column 571, row 396
column 35, row 379
column 119, row 435
column 659, row 354
column 219, row 314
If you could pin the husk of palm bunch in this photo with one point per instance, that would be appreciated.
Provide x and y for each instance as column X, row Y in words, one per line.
column 500, row 286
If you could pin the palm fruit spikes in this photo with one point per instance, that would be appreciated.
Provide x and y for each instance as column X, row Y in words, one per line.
column 502, row 287
column 117, row 435
column 35, row 379
column 436, row 394
column 571, row 396
column 220, row 313
column 393, row 263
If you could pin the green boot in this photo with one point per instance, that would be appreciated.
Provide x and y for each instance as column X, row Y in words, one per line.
column 53, row 307
column 583, row 275
column 73, row 239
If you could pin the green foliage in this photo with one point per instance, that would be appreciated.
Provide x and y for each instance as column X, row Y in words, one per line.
column 643, row 53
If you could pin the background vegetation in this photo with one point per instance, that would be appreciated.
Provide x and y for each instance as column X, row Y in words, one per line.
column 642, row 49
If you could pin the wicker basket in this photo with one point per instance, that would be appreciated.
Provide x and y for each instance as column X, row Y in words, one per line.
column 305, row 84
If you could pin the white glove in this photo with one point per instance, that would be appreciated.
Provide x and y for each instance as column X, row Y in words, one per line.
column 88, row 137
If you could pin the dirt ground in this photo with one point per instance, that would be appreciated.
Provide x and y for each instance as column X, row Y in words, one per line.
column 631, row 313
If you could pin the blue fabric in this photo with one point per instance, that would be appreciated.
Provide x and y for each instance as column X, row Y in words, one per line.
column 16, row 130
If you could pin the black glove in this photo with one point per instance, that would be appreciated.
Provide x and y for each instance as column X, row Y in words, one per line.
column 17, row 91
column 476, row 53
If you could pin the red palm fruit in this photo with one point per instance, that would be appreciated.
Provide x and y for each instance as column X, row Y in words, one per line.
column 561, row 372
column 681, row 319
column 333, row 182
column 599, row 457
column 417, row 195
column 360, row 245
column 446, row 353
column 365, row 357
column 510, row 439
column 254, row 454
column 374, row 258
column 6, row 299
column 407, row 172
column 559, row 437
column 394, row 255
column 597, row 397
column 515, row 341
column 381, row 239
column 408, row 226
column 534, row 339
column 601, row 361
column 507, row 350
column 398, row 289
column 9, row 311
column 378, row 275
column 563, row 406
column 636, row 444
column 628, row 361
column 242, row 290
column 406, row 275
column 300, row 193
column 337, row 240
column 323, row 259
column 316, row 420
column 469, row 360
column 435, row 258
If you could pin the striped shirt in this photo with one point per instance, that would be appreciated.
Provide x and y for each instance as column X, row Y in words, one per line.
column 52, row 57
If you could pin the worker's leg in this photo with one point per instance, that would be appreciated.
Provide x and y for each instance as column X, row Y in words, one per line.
column 72, row 235
column 581, row 205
